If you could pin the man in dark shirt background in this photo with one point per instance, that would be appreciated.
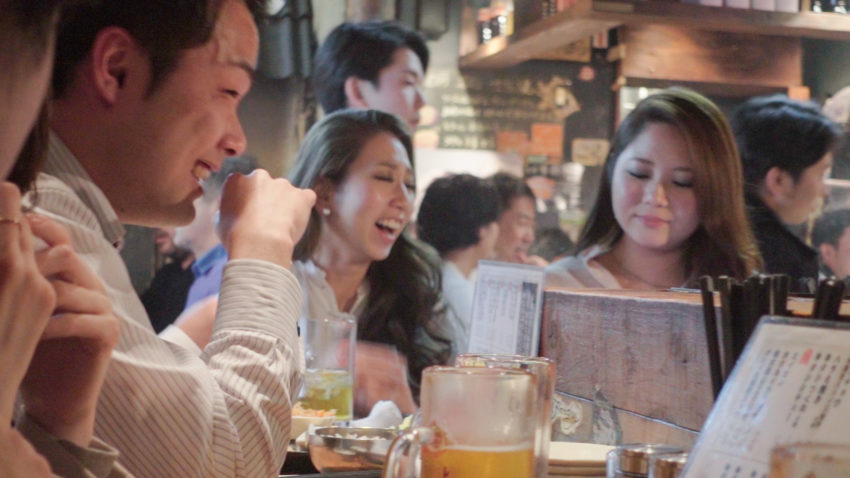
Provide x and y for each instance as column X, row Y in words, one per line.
column 166, row 296
column 831, row 238
column 786, row 151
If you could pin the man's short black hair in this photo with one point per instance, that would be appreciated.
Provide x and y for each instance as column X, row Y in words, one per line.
column 510, row 187
column 164, row 28
column 551, row 244
column 454, row 210
column 776, row 131
column 829, row 227
column 360, row 50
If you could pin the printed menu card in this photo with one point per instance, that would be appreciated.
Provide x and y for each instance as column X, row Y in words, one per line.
column 506, row 309
column 790, row 384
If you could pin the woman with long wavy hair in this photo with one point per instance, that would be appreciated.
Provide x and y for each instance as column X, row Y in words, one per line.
column 356, row 256
column 670, row 204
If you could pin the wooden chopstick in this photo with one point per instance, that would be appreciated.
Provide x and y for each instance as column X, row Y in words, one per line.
column 836, row 295
column 706, row 288
column 821, row 298
column 783, row 285
column 726, row 334
column 740, row 322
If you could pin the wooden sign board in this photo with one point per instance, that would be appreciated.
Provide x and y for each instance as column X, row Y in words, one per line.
column 547, row 139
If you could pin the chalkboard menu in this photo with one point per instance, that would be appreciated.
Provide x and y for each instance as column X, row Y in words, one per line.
column 537, row 115
column 535, row 109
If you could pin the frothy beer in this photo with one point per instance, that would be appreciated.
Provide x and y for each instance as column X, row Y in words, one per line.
column 478, row 462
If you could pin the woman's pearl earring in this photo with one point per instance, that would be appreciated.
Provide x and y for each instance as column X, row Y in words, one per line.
column 326, row 211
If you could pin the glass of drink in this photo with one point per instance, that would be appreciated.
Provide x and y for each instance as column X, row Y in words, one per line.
column 810, row 460
column 329, row 346
column 544, row 370
column 476, row 423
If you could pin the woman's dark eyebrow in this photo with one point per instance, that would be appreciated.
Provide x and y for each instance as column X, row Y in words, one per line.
column 392, row 164
column 651, row 162
column 389, row 164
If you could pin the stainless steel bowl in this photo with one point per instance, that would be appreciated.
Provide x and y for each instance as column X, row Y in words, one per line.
column 348, row 449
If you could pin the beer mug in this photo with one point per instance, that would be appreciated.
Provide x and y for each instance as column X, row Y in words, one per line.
column 476, row 423
column 329, row 346
column 544, row 370
column 810, row 460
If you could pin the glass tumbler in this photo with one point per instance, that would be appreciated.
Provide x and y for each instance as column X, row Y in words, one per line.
column 810, row 460
column 329, row 346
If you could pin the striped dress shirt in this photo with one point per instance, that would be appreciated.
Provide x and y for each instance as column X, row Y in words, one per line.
column 170, row 412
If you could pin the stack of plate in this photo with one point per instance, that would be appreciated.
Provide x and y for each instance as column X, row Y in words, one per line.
column 568, row 459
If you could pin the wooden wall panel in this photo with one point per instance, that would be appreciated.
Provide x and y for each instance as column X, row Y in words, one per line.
column 645, row 355
column 631, row 427
column 672, row 53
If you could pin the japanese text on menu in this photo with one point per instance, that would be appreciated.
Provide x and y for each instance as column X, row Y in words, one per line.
column 791, row 385
column 506, row 309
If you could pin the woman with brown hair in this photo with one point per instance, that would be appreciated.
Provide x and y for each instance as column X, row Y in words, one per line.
column 670, row 206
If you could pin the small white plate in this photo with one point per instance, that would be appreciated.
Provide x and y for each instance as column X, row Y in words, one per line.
column 571, row 454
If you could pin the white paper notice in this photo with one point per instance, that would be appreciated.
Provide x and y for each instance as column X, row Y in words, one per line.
column 506, row 309
column 790, row 384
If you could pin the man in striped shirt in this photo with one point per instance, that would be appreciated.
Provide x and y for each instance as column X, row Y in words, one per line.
column 144, row 108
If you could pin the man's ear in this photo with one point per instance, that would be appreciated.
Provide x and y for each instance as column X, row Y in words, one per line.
column 778, row 183
column 354, row 93
column 112, row 58
column 488, row 230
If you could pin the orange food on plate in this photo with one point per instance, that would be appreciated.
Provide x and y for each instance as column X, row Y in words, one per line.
column 300, row 411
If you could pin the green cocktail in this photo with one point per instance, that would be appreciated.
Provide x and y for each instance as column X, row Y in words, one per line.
column 328, row 390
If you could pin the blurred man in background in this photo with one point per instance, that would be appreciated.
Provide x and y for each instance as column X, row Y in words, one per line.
column 786, row 153
column 166, row 296
column 375, row 65
column 831, row 238
column 459, row 217
column 516, row 222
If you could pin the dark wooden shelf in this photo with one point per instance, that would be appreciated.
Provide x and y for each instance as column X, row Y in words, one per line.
column 726, row 90
column 588, row 17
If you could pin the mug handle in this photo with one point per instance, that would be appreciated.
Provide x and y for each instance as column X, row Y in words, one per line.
column 407, row 444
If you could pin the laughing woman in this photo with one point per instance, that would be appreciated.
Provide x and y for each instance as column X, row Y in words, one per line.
column 670, row 204
column 355, row 256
